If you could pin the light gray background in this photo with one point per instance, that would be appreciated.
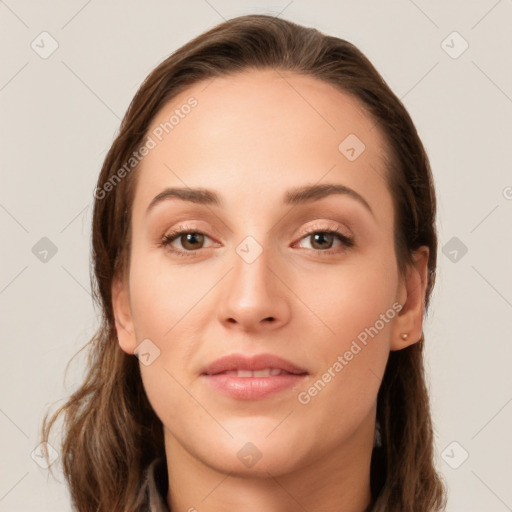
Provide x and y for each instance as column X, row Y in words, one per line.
column 59, row 116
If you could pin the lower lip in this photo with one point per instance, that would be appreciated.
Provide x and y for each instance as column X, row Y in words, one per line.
column 252, row 388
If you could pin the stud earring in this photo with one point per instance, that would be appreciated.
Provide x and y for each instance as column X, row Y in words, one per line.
column 404, row 336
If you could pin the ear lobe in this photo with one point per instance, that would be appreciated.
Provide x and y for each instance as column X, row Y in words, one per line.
column 408, row 327
column 123, row 316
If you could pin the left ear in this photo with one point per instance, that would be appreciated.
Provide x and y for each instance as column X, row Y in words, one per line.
column 411, row 294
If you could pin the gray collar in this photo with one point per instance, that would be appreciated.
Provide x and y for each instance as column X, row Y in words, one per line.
column 157, row 485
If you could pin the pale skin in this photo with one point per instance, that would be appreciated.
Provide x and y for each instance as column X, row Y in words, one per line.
column 251, row 139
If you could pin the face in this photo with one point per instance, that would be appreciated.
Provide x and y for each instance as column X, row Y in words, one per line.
column 267, row 305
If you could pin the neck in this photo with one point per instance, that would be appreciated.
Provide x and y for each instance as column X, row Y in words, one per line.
column 339, row 480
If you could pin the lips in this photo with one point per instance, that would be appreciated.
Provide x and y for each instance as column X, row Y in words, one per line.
column 243, row 366
column 252, row 378
column 267, row 372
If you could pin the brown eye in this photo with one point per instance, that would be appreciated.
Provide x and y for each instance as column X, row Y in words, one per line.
column 191, row 241
column 186, row 241
column 326, row 241
column 322, row 240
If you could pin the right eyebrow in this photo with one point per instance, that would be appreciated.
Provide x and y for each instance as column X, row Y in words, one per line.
column 193, row 195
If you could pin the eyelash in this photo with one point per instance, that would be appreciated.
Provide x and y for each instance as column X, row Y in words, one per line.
column 346, row 241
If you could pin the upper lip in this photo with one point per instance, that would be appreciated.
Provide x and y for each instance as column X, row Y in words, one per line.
column 253, row 363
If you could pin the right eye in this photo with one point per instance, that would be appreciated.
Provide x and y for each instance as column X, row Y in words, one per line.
column 189, row 241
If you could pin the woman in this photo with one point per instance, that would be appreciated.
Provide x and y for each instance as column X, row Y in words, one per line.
column 264, row 250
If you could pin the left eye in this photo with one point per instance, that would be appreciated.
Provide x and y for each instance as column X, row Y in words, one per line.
column 322, row 240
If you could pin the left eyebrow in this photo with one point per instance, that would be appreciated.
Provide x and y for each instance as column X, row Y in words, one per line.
column 316, row 192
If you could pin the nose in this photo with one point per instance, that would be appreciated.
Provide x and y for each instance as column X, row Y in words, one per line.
column 254, row 297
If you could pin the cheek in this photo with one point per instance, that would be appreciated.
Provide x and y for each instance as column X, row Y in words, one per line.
column 346, row 300
column 161, row 297
column 167, row 308
column 354, row 308
column 164, row 307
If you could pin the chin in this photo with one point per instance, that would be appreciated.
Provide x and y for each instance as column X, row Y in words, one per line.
column 257, row 454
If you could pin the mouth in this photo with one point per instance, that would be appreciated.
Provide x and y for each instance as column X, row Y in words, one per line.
column 252, row 378
column 267, row 372
column 260, row 365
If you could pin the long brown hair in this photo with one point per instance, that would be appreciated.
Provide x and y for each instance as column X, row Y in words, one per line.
column 111, row 432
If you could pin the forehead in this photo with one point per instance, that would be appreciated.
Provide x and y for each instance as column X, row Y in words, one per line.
column 262, row 130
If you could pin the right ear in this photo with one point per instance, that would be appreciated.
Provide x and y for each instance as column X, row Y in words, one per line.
column 123, row 315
